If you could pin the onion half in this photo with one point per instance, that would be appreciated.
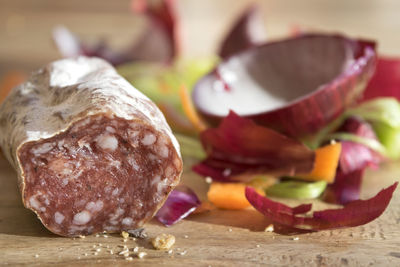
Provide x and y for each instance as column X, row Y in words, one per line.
column 295, row 86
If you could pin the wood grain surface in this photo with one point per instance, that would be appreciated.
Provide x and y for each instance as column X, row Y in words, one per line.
column 217, row 238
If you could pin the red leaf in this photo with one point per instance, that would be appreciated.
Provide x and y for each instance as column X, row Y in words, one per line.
column 238, row 146
column 355, row 213
column 248, row 31
column 385, row 81
column 180, row 203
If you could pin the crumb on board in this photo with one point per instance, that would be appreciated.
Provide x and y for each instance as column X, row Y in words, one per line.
column 129, row 258
column 295, row 238
column 141, row 255
column 163, row 241
column 258, row 246
column 182, row 253
column 124, row 251
column 124, row 234
column 269, row 228
column 82, row 236
column 36, row 255
column 136, row 249
column 185, row 236
column 230, row 230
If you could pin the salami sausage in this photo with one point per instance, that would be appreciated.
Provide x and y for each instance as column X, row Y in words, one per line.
column 92, row 153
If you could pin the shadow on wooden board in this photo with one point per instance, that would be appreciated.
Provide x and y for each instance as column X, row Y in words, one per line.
column 15, row 219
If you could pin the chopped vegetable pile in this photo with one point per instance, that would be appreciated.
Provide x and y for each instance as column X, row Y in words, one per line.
column 299, row 118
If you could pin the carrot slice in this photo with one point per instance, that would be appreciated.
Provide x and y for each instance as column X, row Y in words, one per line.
column 190, row 111
column 326, row 162
column 228, row 195
column 9, row 81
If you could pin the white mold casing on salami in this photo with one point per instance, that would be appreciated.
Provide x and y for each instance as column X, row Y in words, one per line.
column 91, row 152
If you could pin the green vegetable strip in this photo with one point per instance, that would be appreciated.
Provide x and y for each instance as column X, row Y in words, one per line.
column 297, row 190
column 370, row 143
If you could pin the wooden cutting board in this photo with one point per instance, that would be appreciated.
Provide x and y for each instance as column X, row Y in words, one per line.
column 216, row 238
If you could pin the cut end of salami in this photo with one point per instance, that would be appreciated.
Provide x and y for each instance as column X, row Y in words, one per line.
column 105, row 165
column 102, row 174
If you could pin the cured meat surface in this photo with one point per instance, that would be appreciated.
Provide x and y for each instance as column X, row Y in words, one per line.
column 92, row 153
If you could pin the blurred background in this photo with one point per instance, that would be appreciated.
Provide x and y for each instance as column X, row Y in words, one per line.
column 26, row 25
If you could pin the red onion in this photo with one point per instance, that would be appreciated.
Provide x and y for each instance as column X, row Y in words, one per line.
column 295, row 86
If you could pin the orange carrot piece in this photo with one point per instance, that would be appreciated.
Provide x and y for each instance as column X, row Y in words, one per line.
column 326, row 162
column 190, row 111
column 9, row 81
column 228, row 195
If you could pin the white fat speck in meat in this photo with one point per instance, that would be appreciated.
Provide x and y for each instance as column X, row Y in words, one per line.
column 107, row 189
column 152, row 157
column 115, row 192
column 58, row 217
column 46, row 200
column 34, row 202
column 82, row 218
column 60, row 144
column 132, row 161
column 117, row 214
column 114, row 163
column 133, row 134
column 110, row 129
column 80, row 203
column 163, row 151
column 84, row 143
column 149, row 139
column 127, row 221
column 64, row 181
column 161, row 185
column 107, row 142
column 44, row 148
column 156, row 180
column 75, row 228
column 94, row 206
